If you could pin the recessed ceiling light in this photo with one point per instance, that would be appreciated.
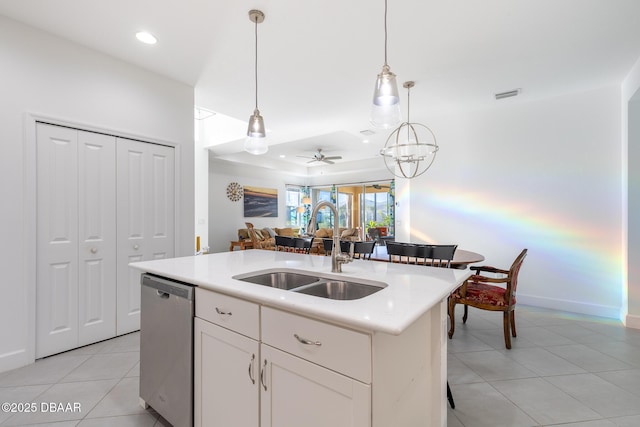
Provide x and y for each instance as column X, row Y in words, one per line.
column 282, row 156
column 365, row 141
column 145, row 37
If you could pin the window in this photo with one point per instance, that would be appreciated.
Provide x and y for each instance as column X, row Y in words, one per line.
column 377, row 207
column 293, row 201
column 325, row 216
column 345, row 203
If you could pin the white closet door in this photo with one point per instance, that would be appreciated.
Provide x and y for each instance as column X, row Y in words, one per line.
column 97, row 236
column 57, row 240
column 145, row 192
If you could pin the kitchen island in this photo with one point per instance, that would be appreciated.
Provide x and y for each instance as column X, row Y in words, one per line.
column 274, row 357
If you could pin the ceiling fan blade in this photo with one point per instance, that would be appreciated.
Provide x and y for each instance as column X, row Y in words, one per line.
column 333, row 158
column 312, row 160
column 326, row 160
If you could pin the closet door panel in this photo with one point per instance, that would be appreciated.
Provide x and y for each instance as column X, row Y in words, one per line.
column 97, row 232
column 131, row 189
column 161, row 198
column 145, row 192
column 56, row 240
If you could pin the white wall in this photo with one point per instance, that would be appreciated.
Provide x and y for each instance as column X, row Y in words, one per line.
column 49, row 76
column 543, row 175
column 225, row 216
column 631, row 199
column 201, row 186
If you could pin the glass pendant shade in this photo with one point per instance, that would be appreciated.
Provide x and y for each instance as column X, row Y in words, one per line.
column 256, row 141
column 385, row 112
column 256, row 145
column 256, row 126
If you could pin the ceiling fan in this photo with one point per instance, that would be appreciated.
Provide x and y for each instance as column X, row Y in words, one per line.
column 319, row 157
column 379, row 187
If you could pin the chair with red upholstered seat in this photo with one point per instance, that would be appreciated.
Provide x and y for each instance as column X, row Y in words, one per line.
column 485, row 293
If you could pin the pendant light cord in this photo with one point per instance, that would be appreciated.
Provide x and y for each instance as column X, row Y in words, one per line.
column 408, row 104
column 256, row 60
column 385, row 32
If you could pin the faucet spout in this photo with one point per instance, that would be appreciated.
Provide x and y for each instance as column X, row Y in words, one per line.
column 337, row 257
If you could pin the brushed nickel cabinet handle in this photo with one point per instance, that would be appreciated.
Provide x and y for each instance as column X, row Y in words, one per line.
column 223, row 313
column 262, row 375
column 253, row 358
column 306, row 341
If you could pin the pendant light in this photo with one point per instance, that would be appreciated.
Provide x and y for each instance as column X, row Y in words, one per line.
column 385, row 112
column 411, row 148
column 256, row 141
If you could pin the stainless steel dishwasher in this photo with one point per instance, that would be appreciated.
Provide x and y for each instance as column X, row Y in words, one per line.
column 166, row 348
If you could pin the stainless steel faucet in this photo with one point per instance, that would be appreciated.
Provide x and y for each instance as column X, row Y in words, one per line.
column 337, row 257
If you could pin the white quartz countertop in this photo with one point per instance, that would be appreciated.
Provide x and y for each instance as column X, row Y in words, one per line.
column 411, row 291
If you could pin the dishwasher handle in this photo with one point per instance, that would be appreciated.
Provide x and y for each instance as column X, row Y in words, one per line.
column 167, row 286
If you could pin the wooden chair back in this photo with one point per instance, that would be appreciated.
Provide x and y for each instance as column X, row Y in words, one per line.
column 252, row 235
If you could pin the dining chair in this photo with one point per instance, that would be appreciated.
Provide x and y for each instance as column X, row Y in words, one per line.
column 284, row 243
column 302, row 245
column 442, row 255
column 361, row 250
column 327, row 244
column 407, row 253
column 374, row 234
column 490, row 293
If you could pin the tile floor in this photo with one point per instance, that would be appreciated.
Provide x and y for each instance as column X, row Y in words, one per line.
column 563, row 370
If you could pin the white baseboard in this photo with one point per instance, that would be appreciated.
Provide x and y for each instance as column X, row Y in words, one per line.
column 632, row 321
column 570, row 306
column 13, row 360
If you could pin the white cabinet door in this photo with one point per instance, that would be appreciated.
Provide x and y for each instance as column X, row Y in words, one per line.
column 56, row 240
column 145, row 220
column 297, row 393
column 226, row 377
column 97, row 237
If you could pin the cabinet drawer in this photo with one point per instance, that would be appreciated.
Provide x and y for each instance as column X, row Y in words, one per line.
column 336, row 348
column 232, row 313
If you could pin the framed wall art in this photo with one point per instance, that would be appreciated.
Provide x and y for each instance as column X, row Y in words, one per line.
column 260, row 202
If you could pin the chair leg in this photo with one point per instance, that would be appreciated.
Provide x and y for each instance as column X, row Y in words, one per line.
column 450, row 397
column 507, row 334
column 513, row 323
column 452, row 321
column 466, row 313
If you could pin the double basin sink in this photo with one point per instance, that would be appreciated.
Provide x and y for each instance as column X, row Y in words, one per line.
column 309, row 284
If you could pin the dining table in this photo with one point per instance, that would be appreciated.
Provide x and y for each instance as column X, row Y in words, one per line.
column 461, row 258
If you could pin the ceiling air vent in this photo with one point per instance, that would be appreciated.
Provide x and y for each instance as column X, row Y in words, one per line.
column 508, row 94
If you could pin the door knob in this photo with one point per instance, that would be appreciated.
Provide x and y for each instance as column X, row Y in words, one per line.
column 136, row 247
column 94, row 250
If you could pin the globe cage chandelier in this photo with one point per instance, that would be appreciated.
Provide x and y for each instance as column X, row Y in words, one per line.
column 256, row 141
column 411, row 148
